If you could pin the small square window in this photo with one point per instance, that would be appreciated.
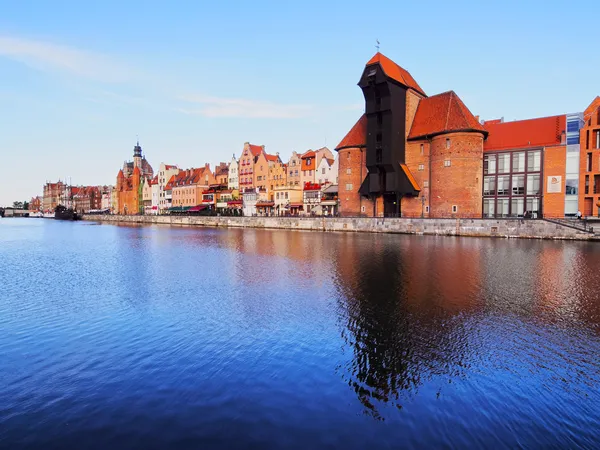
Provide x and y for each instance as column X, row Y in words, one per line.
column 421, row 167
column 348, row 171
column 426, row 183
column 447, row 163
column 454, row 208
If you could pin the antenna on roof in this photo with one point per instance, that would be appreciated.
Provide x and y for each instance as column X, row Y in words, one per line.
column 377, row 45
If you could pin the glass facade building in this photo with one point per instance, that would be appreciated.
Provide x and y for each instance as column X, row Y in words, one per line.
column 512, row 183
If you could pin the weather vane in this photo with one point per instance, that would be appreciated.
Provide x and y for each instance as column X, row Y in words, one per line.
column 377, row 46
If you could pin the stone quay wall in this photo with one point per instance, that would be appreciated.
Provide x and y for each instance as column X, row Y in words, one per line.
column 506, row 228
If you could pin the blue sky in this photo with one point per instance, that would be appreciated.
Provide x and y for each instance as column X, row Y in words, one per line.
column 195, row 80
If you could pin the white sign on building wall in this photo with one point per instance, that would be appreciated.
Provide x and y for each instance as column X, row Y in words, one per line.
column 554, row 185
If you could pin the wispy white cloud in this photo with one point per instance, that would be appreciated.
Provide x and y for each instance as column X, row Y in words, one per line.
column 243, row 108
column 47, row 56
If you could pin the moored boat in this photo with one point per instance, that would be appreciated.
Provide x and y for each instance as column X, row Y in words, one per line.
column 63, row 213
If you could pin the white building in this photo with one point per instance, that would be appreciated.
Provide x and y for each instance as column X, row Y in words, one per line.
column 155, row 196
column 327, row 171
column 233, row 180
column 251, row 198
column 107, row 198
column 165, row 173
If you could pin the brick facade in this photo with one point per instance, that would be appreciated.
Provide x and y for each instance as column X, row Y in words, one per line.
column 456, row 175
column 554, row 170
column 589, row 161
column 352, row 172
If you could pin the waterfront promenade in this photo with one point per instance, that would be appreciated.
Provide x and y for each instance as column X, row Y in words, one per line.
column 504, row 228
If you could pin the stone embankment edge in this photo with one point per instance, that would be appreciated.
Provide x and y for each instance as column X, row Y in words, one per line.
column 499, row 228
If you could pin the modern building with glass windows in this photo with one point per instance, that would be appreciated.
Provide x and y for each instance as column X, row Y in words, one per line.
column 524, row 168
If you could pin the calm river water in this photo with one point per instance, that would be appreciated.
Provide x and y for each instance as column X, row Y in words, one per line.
column 155, row 337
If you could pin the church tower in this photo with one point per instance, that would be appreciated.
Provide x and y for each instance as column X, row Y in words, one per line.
column 137, row 156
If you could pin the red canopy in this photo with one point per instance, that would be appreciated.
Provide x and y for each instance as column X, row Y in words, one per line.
column 197, row 208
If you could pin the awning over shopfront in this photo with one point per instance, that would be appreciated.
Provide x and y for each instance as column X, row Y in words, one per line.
column 265, row 204
column 179, row 208
column 296, row 205
column 329, row 202
column 198, row 208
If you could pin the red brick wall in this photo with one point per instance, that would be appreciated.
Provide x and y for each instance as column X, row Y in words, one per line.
column 461, row 183
column 413, row 206
column 587, row 140
column 351, row 203
column 555, row 164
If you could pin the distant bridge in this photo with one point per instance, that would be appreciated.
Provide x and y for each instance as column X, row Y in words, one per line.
column 14, row 212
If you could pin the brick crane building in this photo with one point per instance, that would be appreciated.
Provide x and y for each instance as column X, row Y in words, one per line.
column 410, row 154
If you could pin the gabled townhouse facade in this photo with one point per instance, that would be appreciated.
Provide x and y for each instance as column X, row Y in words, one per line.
column 233, row 180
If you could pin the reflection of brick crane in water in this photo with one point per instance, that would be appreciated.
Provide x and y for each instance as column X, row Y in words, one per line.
column 395, row 348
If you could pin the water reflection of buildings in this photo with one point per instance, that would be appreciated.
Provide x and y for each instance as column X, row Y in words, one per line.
column 405, row 305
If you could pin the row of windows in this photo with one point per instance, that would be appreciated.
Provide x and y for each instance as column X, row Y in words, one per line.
column 282, row 195
column 501, row 185
column 504, row 207
column 596, row 139
column 521, row 162
column 447, row 163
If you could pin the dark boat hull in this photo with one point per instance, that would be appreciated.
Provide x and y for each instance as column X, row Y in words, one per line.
column 66, row 214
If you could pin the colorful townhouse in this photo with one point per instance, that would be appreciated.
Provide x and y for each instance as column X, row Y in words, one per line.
column 165, row 174
column 233, row 180
column 293, row 170
column 189, row 185
column 246, row 165
column 327, row 171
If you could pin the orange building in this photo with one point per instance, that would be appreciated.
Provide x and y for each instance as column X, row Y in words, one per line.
column 129, row 183
column 221, row 173
column 189, row 185
column 129, row 192
column 261, row 171
column 277, row 176
column 589, row 168
column 35, row 204
column 308, row 167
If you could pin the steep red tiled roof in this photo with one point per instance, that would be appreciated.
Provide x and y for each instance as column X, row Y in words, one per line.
column 169, row 185
column 524, row 133
column 442, row 113
column 308, row 154
column 357, row 136
column 271, row 157
column 170, row 166
column 395, row 72
column 255, row 149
